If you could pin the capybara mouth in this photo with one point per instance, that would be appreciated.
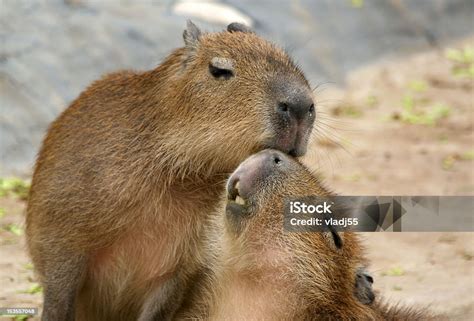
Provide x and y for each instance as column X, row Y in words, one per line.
column 237, row 205
column 244, row 183
column 233, row 192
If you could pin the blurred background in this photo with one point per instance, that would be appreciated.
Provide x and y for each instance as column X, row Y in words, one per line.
column 394, row 91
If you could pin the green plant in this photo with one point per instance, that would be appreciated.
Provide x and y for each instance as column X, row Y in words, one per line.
column 395, row 271
column 448, row 162
column 357, row 3
column 413, row 113
column 14, row 186
column 463, row 61
column 372, row 101
column 34, row 288
column 418, row 85
column 469, row 155
column 348, row 111
column 15, row 229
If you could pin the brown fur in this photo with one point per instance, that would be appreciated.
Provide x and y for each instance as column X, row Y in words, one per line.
column 128, row 173
column 257, row 271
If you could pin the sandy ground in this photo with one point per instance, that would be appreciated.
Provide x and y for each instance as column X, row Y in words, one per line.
column 363, row 147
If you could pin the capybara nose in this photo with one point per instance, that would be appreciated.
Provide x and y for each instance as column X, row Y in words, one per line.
column 246, row 179
column 298, row 106
column 295, row 115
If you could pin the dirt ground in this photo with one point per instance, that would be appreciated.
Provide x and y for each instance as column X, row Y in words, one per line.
column 368, row 142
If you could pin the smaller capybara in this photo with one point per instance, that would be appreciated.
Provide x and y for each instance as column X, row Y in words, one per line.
column 128, row 174
column 257, row 271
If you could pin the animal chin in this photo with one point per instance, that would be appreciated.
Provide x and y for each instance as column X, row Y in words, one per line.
column 289, row 144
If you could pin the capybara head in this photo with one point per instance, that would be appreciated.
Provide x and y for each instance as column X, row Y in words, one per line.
column 240, row 94
column 320, row 268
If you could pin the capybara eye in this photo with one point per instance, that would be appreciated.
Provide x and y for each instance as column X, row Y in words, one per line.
column 277, row 160
column 221, row 68
column 369, row 278
column 220, row 73
column 311, row 110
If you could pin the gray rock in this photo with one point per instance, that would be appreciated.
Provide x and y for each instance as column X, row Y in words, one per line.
column 51, row 50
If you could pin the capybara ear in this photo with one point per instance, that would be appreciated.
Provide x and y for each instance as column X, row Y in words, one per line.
column 239, row 27
column 363, row 287
column 191, row 35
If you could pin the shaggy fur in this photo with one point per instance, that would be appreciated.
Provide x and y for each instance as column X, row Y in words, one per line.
column 258, row 271
column 129, row 172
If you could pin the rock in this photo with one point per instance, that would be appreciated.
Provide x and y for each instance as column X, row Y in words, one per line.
column 51, row 50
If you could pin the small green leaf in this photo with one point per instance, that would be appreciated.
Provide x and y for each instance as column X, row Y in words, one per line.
column 15, row 229
column 418, row 85
column 454, row 55
column 395, row 271
column 463, row 61
column 14, row 186
column 35, row 288
column 468, row 155
column 448, row 162
column 352, row 111
column 357, row 3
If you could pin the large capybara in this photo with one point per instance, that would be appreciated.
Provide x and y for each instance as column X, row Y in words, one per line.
column 129, row 173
